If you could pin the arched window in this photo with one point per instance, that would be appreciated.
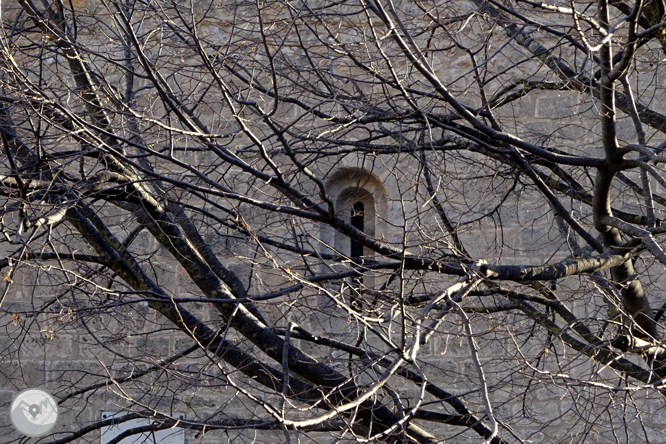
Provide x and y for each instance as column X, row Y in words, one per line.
column 360, row 199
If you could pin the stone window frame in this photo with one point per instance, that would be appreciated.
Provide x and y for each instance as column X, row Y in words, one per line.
column 346, row 187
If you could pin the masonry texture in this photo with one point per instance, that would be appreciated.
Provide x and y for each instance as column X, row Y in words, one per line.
column 387, row 222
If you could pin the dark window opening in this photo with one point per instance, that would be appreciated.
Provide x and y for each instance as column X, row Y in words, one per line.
column 356, row 250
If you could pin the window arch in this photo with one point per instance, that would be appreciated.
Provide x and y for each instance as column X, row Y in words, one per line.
column 350, row 189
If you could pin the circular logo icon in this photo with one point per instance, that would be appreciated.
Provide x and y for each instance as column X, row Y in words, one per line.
column 34, row 412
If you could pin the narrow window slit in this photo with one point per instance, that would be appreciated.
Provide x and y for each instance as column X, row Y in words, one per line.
column 356, row 254
column 356, row 250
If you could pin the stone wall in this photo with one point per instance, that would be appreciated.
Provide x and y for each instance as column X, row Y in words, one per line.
column 66, row 325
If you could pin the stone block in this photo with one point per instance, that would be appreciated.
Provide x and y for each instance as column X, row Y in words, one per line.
column 444, row 372
column 556, row 105
column 17, row 307
column 100, row 347
column 481, row 243
column 185, row 287
column 626, row 131
column 448, row 343
column 182, row 343
column 67, row 374
column 144, row 244
column 537, row 240
column 6, row 398
column 508, row 214
column 563, row 133
column 524, row 107
column 657, row 414
column 163, row 274
column 148, row 346
column 19, row 375
column 649, row 434
column 9, row 433
column 60, row 347
column 534, row 213
column 34, row 346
